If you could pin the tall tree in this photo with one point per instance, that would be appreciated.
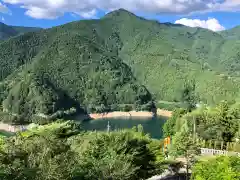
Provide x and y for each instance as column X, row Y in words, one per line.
column 189, row 96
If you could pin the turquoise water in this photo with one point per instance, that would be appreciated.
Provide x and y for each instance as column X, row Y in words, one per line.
column 152, row 126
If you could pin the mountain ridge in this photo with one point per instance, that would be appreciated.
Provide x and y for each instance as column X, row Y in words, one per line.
column 120, row 62
column 7, row 31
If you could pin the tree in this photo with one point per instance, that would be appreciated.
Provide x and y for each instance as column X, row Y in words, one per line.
column 219, row 123
column 221, row 168
column 185, row 145
column 59, row 151
column 115, row 155
column 169, row 126
column 189, row 96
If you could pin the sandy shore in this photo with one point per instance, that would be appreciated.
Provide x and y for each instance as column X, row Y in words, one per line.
column 116, row 114
column 136, row 114
column 165, row 113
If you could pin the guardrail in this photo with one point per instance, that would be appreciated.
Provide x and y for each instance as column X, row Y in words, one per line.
column 206, row 151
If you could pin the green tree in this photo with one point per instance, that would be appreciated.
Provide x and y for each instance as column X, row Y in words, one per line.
column 186, row 146
column 217, row 123
column 116, row 155
column 169, row 127
column 221, row 168
column 59, row 151
column 189, row 96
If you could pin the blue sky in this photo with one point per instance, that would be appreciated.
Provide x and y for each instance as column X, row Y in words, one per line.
column 215, row 15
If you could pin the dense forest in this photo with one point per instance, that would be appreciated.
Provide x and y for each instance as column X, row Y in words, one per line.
column 7, row 31
column 63, row 71
column 119, row 62
column 63, row 151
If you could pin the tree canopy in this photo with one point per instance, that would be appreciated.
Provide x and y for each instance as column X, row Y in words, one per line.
column 63, row 151
column 221, row 168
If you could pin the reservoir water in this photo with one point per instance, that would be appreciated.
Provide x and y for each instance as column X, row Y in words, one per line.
column 152, row 126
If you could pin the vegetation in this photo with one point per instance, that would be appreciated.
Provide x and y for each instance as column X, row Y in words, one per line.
column 118, row 63
column 191, row 130
column 93, row 68
column 169, row 126
column 62, row 151
column 51, row 71
column 220, row 123
column 221, row 168
column 11, row 31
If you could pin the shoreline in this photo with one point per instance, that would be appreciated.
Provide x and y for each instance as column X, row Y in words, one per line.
column 130, row 114
column 97, row 116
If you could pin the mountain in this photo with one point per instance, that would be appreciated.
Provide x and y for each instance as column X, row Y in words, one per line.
column 7, row 31
column 233, row 33
column 66, row 70
column 115, row 63
column 164, row 57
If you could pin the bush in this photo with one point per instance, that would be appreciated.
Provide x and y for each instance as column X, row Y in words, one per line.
column 61, row 151
column 128, row 108
column 221, row 168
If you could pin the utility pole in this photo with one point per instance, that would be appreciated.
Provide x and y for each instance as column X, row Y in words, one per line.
column 194, row 129
column 108, row 127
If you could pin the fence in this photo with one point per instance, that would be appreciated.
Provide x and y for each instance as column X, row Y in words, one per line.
column 11, row 128
column 206, row 151
column 220, row 145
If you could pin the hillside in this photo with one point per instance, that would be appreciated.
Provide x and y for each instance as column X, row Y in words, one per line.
column 233, row 33
column 115, row 63
column 66, row 70
column 7, row 31
column 164, row 56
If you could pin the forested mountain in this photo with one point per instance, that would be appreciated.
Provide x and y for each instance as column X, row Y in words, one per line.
column 7, row 31
column 67, row 69
column 117, row 62
column 233, row 33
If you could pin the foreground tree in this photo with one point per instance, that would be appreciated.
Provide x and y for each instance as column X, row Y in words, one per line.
column 169, row 127
column 221, row 168
column 60, row 151
column 115, row 155
column 185, row 146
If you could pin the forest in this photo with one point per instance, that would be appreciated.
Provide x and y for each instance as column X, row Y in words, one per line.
column 120, row 62
column 63, row 150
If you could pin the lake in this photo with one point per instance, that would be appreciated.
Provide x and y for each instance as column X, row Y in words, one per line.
column 152, row 126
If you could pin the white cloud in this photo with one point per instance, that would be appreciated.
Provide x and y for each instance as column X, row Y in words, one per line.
column 49, row 9
column 3, row 8
column 211, row 23
column 41, row 13
column 88, row 14
column 3, row 19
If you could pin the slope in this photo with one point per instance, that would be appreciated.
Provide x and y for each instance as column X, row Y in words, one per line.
column 233, row 33
column 7, row 31
column 112, row 64
column 63, row 71
column 165, row 56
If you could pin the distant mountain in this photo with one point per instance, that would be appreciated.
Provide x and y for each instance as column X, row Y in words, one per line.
column 7, row 31
column 115, row 63
column 233, row 33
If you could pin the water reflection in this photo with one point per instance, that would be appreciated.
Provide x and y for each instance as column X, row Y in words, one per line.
column 152, row 126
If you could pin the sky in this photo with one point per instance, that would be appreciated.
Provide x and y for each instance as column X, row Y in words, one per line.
column 216, row 15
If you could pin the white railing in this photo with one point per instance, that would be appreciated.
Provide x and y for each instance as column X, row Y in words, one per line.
column 206, row 151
